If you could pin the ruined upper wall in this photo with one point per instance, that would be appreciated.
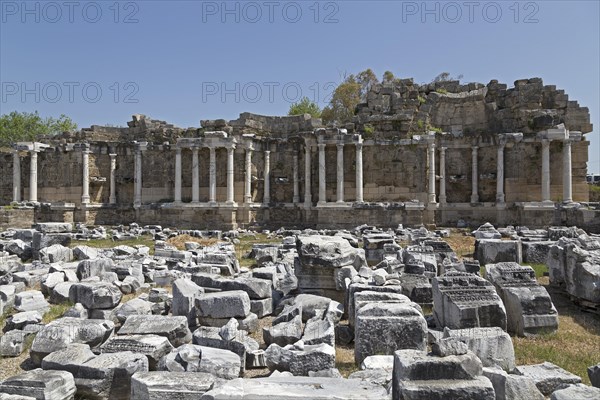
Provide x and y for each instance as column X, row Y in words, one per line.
column 392, row 110
column 407, row 108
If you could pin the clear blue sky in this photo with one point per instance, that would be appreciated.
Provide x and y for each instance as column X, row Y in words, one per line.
column 176, row 58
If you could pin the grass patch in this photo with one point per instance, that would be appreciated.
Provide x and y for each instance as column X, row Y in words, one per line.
column 245, row 245
column 344, row 360
column 7, row 313
column 55, row 311
column 180, row 240
column 573, row 347
column 539, row 269
column 462, row 244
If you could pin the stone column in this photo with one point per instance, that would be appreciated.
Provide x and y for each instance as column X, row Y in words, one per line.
column 442, row 197
column 567, row 173
column 546, row 171
column 322, row 183
column 85, row 160
column 113, row 166
column 474, row 176
column 33, row 176
column 307, row 168
column 177, row 196
column 195, row 176
column 500, row 175
column 340, row 172
column 248, row 175
column 137, row 201
column 267, row 184
column 296, row 196
column 212, row 172
column 359, row 173
column 431, row 162
column 16, row 176
column 230, row 176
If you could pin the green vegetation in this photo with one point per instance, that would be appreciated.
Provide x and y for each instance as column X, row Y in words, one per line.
column 441, row 90
column 539, row 269
column 245, row 245
column 422, row 100
column 24, row 126
column 369, row 130
column 56, row 311
column 305, row 106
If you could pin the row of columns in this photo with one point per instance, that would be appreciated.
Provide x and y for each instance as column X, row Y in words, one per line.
column 340, row 173
column 33, row 180
column 500, row 196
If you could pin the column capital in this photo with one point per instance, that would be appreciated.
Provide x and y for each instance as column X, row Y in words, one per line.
column 340, row 145
column 321, row 146
column 359, row 145
column 443, row 149
column 112, row 155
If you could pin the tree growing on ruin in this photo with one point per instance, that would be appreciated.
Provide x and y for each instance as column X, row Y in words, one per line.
column 23, row 126
column 350, row 93
column 305, row 106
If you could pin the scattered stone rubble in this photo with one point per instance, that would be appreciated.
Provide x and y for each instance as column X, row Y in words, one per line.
column 191, row 324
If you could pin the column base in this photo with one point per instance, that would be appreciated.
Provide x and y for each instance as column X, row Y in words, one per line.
column 296, row 200
column 231, row 204
column 474, row 199
column 321, row 203
column 501, row 205
column 85, row 199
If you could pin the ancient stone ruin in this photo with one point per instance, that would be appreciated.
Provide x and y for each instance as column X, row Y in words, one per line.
column 277, row 258
column 438, row 153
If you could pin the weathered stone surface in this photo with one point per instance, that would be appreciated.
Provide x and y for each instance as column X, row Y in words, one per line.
column 31, row 300
column 284, row 333
column 579, row 392
column 319, row 329
column 53, row 227
column 411, row 365
column 378, row 362
column 20, row 320
column 94, row 267
column 493, row 346
column 173, row 328
column 492, row 251
column 367, row 297
column 60, row 292
column 133, row 307
column 68, row 359
column 382, row 328
column 12, row 343
column 85, row 252
column 262, row 307
column 529, row 308
column 255, row 288
column 95, row 295
column 327, row 251
column 300, row 361
column 448, row 347
column 19, row 248
column 40, row 384
column 360, row 287
column 60, row 333
column 548, row 377
column 463, row 300
column 194, row 358
column 292, row 388
column 161, row 385
column 108, row 376
column 152, row 346
column 479, row 388
column 56, row 253
column 486, row 231
column 185, row 293
column 512, row 387
column 229, row 304
column 594, row 375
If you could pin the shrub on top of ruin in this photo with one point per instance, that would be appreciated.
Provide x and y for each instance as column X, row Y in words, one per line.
column 305, row 106
column 369, row 130
column 24, row 126
column 441, row 91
